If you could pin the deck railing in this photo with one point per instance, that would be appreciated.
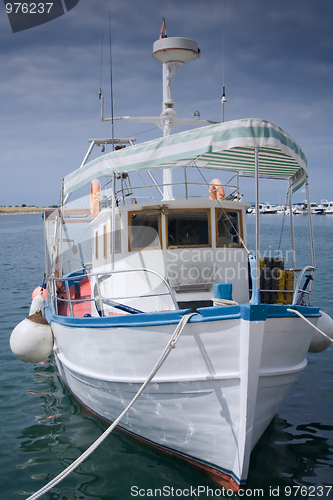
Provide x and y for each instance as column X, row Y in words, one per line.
column 298, row 293
column 96, row 278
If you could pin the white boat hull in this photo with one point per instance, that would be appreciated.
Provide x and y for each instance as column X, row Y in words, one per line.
column 211, row 400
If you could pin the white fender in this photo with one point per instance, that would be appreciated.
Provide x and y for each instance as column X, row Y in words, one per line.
column 319, row 343
column 32, row 340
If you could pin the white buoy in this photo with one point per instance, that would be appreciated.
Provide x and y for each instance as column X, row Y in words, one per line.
column 319, row 343
column 32, row 340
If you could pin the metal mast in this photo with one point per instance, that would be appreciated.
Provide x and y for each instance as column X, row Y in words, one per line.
column 173, row 53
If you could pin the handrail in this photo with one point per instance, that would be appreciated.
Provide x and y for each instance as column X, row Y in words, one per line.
column 69, row 295
column 101, row 276
column 299, row 292
column 158, row 185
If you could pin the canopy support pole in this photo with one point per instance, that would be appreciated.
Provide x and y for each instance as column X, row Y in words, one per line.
column 61, row 228
column 292, row 226
column 113, row 222
column 85, row 159
column 256, row 276
column 310, row 223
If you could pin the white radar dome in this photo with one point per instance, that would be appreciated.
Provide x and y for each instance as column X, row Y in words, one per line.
column 175, row 49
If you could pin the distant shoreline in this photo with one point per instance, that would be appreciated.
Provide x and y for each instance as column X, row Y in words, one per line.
column 21, row 210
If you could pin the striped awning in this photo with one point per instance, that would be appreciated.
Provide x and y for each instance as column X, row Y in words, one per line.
column 226, row 146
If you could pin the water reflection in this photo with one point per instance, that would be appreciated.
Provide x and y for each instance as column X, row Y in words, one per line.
column 286, row 455
column 293, row 455
column 43, row 428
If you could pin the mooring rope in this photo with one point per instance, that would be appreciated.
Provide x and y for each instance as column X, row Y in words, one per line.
column 224, row 302
column 309, row 322
column 171, row 345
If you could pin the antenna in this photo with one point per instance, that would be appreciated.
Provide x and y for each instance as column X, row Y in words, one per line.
column 100, row 77
column 100, row 95
column 223, row 99
column 111, row 85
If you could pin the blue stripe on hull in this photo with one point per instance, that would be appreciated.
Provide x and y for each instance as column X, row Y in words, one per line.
column 247, row 312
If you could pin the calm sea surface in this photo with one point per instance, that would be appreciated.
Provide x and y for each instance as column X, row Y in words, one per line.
column 43, row 429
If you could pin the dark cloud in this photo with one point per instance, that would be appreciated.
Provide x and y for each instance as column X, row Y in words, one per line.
column 278, row 66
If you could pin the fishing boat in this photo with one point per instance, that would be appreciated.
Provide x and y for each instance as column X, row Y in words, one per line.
column 157, row 259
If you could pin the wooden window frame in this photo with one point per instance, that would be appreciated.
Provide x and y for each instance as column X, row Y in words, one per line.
column 240, row 229
column 129, row 232
column 188, row 210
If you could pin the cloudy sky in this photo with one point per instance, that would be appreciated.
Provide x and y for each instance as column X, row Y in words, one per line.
column 278, row 66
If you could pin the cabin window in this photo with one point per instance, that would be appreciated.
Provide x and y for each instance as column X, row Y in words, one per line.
column 96, row 244
column 115, row 235
column 143, row 230
column 228, row 227
column 188, row 228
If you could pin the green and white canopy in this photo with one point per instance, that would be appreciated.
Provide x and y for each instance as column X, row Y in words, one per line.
column 227, row 146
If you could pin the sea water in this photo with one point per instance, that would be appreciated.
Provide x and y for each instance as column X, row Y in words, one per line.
column 43, row 429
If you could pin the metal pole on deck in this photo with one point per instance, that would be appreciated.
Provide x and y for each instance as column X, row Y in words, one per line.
column 113, row 222
column 292, row 226
column 61, row 225
column 256, row 282
column 310, row 223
